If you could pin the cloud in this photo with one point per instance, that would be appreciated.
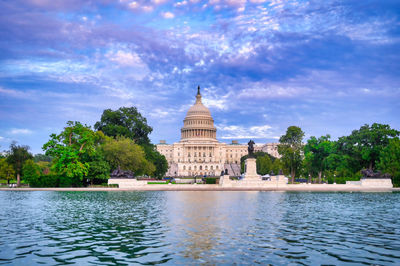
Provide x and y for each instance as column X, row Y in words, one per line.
column 168, row 15
column 260, row 93
column 20, row 131
column 242, row 132
column 14, row 93
column 125, row 58
column 182, row 3
column 277, row 62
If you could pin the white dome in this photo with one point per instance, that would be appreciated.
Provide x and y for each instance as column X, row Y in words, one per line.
column 198, row 122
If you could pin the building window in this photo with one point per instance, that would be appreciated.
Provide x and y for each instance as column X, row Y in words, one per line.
column 201, row 168
column 211, row 167
column 184, row 167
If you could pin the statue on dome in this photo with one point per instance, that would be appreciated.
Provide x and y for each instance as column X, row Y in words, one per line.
column 198, row 90
column 251, row 149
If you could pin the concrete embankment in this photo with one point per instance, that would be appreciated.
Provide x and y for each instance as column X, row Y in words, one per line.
column 201, row 187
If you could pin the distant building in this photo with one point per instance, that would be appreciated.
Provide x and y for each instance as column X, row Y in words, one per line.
column 199, row 152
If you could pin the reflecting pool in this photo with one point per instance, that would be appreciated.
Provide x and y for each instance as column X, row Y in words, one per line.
column 43, row 227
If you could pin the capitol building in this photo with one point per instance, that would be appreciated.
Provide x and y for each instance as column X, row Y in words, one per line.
column 199, row 152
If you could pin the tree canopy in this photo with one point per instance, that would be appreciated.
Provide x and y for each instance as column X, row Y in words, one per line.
column 125, row 153
column 7, row 171
column 68, row 147
column 364, row 145
column 17, row 155
column 290, row 148
column 390, row 160
column 127, row 122
column 316, row 152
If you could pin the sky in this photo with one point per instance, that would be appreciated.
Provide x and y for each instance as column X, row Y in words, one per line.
column 326, row 66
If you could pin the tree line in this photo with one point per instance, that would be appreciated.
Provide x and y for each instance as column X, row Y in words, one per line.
column 375, row 147
column 79, row 155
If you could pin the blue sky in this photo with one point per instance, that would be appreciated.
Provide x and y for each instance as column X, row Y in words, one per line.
column 326, row 66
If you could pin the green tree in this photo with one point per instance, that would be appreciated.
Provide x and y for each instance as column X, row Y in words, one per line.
column 17, row 155
column 67, row 149
column 45, row 167
column 389, row 160
column 363, row 146
column 316, row 152
column 264, row 164
column 122, row 152
column 127, row 122
column 7, row 171
column 31, row 173
column 261, row 164
column 157, row 159
column 42, row 158
column 99, row 168
column 277, row 165
column 290, row 148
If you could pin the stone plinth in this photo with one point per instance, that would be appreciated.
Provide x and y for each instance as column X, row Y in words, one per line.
column 250, row 172
column 376, row 182
column 225, row 181
column 126, row 182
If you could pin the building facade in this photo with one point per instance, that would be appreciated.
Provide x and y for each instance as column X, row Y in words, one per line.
column 199, row 152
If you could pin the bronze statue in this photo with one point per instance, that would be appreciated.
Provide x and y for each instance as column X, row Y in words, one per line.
column 118, row 173
column 251, row 149
column 368, row 173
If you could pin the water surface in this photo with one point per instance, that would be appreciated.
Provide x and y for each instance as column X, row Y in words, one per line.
column 219, row 227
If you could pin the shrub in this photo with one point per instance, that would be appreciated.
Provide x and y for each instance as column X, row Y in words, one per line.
column 211, row 180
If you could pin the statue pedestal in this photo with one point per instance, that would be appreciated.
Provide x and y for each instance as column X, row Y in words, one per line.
column 250, row 171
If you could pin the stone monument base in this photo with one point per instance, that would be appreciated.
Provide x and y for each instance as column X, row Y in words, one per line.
column 250, row 170
column 126, row 182
column 377, row 182
column 252, row 180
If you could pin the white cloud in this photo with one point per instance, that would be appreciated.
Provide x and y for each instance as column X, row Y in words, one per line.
column 274, row 91
column 241, row 132
column 168, row 15
column 216, row 103
column 20, row 131
column 133, row 5
column 138, row 7
column 14, row 93
column 125, row 58
column 158, row 113
column 258, row 1
column 183, row 3
column 159, row 2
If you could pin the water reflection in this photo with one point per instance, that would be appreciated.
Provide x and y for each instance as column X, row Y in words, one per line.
column 213, row 225
column 199, row 228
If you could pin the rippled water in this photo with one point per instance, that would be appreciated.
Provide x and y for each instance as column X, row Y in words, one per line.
column 41, row 227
